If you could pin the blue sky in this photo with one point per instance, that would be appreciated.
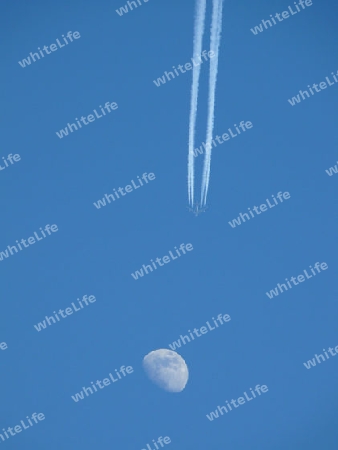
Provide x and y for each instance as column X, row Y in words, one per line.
column 229, row 270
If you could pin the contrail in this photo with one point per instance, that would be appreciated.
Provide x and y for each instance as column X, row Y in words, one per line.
column 215, row 39
column 197, row 49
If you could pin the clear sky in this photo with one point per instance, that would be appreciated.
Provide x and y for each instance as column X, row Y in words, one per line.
column 95, row 251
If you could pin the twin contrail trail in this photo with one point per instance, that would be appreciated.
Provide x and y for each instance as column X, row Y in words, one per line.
column 197, row 50
column 215, row 39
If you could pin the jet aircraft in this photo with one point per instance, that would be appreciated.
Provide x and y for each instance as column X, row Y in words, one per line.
column 197, row 209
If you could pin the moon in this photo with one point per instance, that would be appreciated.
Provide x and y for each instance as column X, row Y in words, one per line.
column 167, row 369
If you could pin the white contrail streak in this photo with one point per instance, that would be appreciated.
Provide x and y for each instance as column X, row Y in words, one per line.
column 197, row 49
column 215, row 39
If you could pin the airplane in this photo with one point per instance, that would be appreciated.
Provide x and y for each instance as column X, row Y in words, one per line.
column 197, row 209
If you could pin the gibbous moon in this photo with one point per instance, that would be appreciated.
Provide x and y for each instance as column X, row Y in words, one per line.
column 167, row 369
